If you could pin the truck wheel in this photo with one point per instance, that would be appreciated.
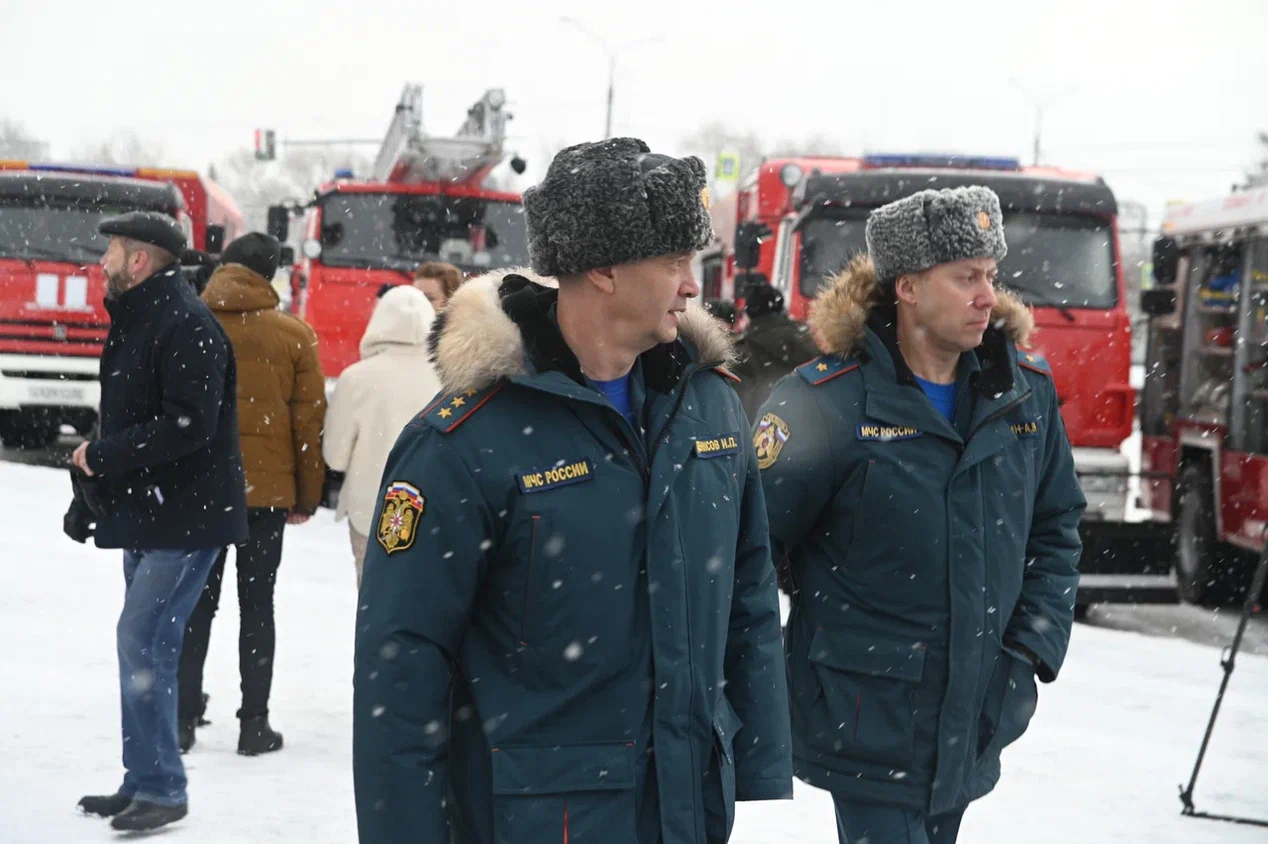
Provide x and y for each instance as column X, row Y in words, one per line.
column 27, row 430
column 1208, row 572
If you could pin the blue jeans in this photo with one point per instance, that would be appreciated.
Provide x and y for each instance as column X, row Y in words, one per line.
column 162, row 590
column 858, row 823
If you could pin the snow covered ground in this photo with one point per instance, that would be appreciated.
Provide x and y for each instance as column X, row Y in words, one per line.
column 1100, row 765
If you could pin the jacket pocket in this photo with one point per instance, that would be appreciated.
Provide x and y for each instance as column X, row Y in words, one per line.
column 1011, row 700
column 719, row 795
column 859, row 525
column 868, row 685
column 531, row 579
column 578, row 794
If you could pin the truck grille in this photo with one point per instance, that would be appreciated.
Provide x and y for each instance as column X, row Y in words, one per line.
column 49, row 376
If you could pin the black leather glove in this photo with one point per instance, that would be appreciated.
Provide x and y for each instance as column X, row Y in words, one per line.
column 78, row 523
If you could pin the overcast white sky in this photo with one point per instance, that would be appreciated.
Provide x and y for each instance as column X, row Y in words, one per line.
column 1162, row 97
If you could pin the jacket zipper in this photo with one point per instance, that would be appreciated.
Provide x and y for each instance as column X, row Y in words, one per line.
column 982, row 493
column 663, row 436
column 528, row 585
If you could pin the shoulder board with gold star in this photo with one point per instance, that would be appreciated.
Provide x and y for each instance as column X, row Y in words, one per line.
column 1033, row 362
column 452, row 409
column 826, row 367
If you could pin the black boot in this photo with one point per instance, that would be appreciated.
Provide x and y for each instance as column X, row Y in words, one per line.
column 258, row 737
column 142, row 816
column 107, row 806
column 185, row 733
column 203, row 722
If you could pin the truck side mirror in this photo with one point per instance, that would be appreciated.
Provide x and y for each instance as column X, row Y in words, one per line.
column 1166, row 258
column 288, row 256
column 1158, row 301
column 748, row 244
column 279, row 222
column 214, row 239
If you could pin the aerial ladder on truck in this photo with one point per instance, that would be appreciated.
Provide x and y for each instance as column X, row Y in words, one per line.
column 409, row 155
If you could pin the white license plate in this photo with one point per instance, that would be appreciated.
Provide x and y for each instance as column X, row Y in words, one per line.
column 50, row 394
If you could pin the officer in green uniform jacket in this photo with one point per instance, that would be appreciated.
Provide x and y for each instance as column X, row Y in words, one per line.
column 919, row 481
column 568, row 627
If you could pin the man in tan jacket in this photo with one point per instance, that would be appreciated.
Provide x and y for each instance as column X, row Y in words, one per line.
column 281, row 409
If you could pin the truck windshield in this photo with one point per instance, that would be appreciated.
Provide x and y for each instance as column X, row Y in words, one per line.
column 1054, row 260
column 53, row 232
column 399, row 231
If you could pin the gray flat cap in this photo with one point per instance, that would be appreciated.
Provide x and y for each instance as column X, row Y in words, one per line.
column 935, row 227
column 615, row 202
column 147, row 227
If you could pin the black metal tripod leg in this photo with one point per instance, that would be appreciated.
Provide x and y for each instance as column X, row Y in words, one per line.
column 1227, row 663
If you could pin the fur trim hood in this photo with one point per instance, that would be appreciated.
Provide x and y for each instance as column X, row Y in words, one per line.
column 474, row 343
column 842, row 306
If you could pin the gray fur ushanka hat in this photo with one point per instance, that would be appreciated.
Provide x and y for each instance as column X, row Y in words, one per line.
column 935, row 227
column 614, row 202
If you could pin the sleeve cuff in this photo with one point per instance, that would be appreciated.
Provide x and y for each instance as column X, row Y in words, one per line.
column 93, row 457
column 1042, row 671
column 770, row 789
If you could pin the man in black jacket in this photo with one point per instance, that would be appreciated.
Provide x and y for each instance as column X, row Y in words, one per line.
column 172, row 488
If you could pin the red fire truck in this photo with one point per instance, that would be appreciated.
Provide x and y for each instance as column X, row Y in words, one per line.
column 763, row 199
column 423, row 201
column 1204, row 406
column 800, row 220
column 52, row 320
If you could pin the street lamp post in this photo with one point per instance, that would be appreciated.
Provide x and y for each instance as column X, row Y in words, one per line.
column 611, row 54
column 607, row 124
column 1040, row 106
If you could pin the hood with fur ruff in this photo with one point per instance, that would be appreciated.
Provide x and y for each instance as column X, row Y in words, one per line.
column 475, row 343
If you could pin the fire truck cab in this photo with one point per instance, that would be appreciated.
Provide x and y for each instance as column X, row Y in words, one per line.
column 424, row 200
column 1204, row 407
column 52, row 317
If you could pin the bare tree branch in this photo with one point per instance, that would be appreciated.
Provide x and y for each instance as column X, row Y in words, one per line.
column 123, row 148
column 17, row 142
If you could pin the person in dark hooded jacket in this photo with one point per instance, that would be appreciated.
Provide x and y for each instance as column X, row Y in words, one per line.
column 919, row 480
column 772, row 345
column 568, row 626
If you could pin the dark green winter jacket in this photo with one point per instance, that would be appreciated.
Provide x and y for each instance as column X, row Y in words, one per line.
column 568, row 626
column 927, row 556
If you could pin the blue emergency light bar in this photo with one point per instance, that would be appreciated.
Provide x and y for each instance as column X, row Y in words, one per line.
column 343, row 173
column 945, row 162
column 81, row 168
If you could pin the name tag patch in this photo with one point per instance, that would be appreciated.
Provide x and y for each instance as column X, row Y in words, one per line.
column 555, row 477
column 887, row 433
column 1029, row 428
column 718, row 446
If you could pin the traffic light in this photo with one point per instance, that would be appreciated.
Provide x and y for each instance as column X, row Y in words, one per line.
column 728, row 167
column 265, row 145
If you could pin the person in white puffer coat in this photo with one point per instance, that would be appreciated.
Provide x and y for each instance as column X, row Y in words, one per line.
column 373, row 400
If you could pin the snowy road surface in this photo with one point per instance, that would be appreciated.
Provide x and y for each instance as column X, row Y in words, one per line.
column 1100, row 764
